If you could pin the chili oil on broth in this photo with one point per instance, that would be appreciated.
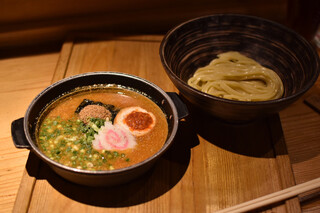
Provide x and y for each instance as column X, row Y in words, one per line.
column 74, row 152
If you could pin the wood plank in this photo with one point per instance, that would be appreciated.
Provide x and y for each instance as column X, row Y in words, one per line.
column 300, row 125
column 37, row 22
column 38, row 10
column 62, row 64
column 285, row 171
column 206, row 167
column 27, row 184
column 22, row 77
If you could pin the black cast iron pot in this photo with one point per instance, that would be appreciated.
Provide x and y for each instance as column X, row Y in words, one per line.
column 23, row 129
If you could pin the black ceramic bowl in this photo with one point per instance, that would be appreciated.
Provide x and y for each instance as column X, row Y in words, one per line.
column 195, row 43
column 23, row 130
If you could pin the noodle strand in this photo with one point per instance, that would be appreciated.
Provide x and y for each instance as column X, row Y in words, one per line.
column 237, row 77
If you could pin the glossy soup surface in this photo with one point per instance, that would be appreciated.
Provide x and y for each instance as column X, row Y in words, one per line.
column 67, row 139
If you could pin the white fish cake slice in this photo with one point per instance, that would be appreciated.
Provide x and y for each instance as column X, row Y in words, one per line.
column 113, row 137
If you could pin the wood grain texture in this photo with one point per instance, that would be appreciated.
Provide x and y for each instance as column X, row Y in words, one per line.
column 17, row 68
column 212, row 165
column 22, row 78
column 33, row 22
column 301, row 125
column 34, row 10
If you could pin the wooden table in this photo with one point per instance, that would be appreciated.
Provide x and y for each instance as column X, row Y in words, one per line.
column 204, row 171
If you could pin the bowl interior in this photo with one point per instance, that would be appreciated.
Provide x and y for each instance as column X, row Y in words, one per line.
column 195, row 43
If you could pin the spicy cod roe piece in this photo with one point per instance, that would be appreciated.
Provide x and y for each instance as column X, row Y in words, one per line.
column 135, row 119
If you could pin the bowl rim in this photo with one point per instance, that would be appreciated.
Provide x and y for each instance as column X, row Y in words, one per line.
column 51, row 162
column 171, row 74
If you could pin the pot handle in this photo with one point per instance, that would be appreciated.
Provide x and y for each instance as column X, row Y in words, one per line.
column 180, row 105
column 18, row 135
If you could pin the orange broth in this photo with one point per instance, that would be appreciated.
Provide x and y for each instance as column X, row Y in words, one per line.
column 60, row 138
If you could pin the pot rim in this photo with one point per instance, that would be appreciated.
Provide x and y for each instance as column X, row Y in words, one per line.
column 51, row 162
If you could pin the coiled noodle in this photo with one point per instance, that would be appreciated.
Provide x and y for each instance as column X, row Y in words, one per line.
column 237, row 77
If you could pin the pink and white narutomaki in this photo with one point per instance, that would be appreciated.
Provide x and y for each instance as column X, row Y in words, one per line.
column 113, row 137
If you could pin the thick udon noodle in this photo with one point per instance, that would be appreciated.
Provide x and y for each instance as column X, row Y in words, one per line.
column 237, row 77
